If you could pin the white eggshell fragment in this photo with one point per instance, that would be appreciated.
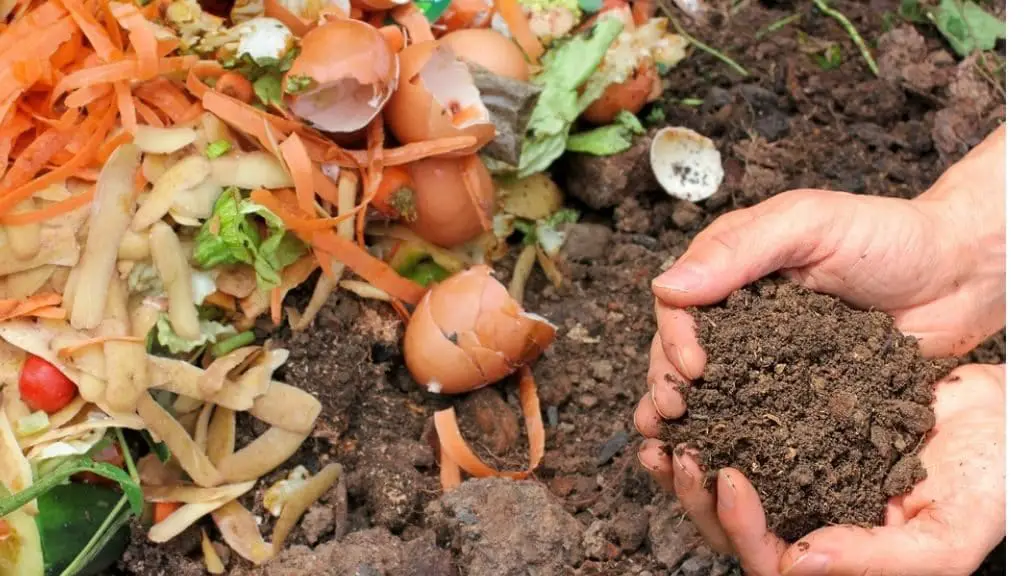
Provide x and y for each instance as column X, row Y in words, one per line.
column 686, row 164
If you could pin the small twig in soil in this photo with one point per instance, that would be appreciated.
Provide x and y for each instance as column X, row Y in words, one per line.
column 982, row 66
column 777, row 25
column 700, row 45
column 851, row 31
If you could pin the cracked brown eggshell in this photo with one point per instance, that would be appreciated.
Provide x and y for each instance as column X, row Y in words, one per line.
column 468, row 332
column 353, row 73
column 436, row 98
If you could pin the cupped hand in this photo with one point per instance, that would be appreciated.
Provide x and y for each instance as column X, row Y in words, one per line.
column 945, row 526
column 936, row 264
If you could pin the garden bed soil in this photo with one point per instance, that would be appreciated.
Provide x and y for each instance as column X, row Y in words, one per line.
column 789, row 124
column 821, row 406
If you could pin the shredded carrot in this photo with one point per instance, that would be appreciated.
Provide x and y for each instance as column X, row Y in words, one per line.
column 108, row 147
column 52, row 211
column 402, row 311
column 371, row 269
column 83, row 96
column 324, row 187
column 34, row 157
column 49, row 312
column 68, row 52
column 161, row 510
column 149, row 116
column 455, row 446
column 374, row 173
column 295, row 157
column 393, row 179
column 402, row 154
column 126, row 106
column 276, row 301
column 167, row 97
column 10, row 309
column 98, row 37
column 415, row 22
column 243, row 117
column 519, row 26
column 126, row 69
column 451, row 475
column 98, row 131
column 71, row 349
column 141, row 37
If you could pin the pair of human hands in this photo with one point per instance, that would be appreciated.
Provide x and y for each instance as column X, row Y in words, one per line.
column 937, row 264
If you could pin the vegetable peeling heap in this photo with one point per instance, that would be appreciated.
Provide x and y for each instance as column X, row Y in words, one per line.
column 170, row 171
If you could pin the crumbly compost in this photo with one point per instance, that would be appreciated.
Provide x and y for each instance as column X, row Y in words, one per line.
column 822, row 406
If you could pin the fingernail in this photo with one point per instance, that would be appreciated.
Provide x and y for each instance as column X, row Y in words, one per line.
column 682, row 279
column 810, row 564
column 727, row 497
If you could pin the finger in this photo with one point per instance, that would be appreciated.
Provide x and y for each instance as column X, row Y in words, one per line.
column 742, row 518
column 665, row 383
column 646, row 419
column 678, row 333
column 853, row 551
column 785, row 231
column 699, row 503
column 653, row 456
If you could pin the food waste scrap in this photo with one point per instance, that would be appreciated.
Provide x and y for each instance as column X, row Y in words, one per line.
column 170, row 170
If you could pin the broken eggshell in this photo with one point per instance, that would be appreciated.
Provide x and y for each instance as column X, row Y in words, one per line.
column 348, row 71
column 686, row 164
column 489, row 49
column 436, row 98
column 445, row 211
column 467, row 332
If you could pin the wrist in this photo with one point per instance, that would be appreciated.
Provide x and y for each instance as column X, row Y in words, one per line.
column 967, row 206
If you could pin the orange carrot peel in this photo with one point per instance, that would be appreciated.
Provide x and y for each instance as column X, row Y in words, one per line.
column 457, row 451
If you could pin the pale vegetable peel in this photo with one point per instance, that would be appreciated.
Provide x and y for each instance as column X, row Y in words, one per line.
column 112, row 208
column 301, row 500
column 189, row 514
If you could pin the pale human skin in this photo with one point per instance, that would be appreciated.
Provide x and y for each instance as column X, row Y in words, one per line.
column 937, row 264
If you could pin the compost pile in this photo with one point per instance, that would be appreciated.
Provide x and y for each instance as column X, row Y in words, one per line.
column 822, row 406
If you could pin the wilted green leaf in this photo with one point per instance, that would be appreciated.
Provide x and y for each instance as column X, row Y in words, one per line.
column 966, row 26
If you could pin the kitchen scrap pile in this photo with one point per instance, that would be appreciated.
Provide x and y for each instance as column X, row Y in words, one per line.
column 169, row 171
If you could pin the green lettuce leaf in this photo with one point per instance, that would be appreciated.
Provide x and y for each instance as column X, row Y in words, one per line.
column 566, row 68
column 607, row 140
column 208, row 333
column 967, row 26
column 237, row 239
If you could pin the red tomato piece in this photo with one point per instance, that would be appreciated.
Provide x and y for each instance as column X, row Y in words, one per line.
column 44, row 387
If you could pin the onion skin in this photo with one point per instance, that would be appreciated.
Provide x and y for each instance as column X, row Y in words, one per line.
column 467, row 332
column 340, row 49
column 489, row 49
column 445, row 214
column 630, row 95
column 413, row 115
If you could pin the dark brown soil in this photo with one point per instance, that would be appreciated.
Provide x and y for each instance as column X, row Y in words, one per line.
column 789, row 124
column 823, row 407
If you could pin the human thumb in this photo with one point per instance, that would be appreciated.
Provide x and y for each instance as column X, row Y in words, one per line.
column 853, row 551
column 743, row 246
